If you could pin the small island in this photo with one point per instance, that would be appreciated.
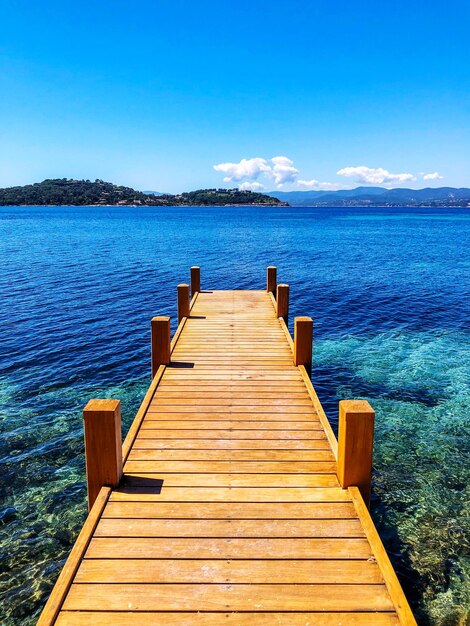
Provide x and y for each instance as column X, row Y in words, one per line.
column 70, row 192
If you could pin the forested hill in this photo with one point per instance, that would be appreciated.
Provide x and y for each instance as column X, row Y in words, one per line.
column 65, row 191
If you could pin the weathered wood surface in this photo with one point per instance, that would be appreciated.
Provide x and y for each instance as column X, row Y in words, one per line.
column 230, row 510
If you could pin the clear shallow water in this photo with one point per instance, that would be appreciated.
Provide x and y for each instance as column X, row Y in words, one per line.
column 389, row 292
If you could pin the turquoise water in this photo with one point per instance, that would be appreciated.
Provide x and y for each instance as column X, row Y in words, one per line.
column 389, row 292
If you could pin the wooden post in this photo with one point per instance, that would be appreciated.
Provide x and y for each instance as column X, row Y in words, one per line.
column 183, row 301
column 355, row 443
column 303, row 336
column 282, row 299
column 103, row 446
column 271, row 279
column 195, row 279
column 160, row 331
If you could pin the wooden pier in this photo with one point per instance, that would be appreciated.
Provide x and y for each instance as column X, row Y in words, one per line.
column 230, row 501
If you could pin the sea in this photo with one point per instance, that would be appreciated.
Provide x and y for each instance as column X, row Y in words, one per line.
column 389, row 292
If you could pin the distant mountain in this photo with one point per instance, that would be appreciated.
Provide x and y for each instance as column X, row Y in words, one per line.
column 70, row 192
column 366, row 196
column 154, row 193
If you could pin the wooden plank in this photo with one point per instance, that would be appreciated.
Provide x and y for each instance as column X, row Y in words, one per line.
column 321, row 453
column 306, row 411
column 230, row 433
column 250, row 409
column 253, row 373
column 153, row 422
column 194, row 366
column 159, row 401
column 228, row 571
column 228, row 597
column 228, row 528
column 223, row 510
column 106, row 618
column 234, row 467
column 213, row 413
column 230, row 353
column 240, row 406
column 215, row 340
column 239, row 361
column 197, row 377
column 229, row 480
column 175, row 393
column 229, row 494
column 236, row 387
column 227, row 348
column 233, row 548
column 230, row 444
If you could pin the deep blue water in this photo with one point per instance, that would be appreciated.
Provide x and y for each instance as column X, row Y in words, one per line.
column 389, row 292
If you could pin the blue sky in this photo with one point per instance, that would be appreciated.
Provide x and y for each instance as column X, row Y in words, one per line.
column 154, row 94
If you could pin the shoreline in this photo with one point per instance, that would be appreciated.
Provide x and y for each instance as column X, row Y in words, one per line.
column 208, row 206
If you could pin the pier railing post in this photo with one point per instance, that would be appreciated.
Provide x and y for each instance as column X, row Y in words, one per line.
column 355, row 444
column 160, row 331
column 282, row 301
column 195, row 279
column 271, row 279
column 103, row 445
column 303, row 337
column 183, row 301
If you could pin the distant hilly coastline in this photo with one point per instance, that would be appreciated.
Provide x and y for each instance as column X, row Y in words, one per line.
column 70, row 192
column 378, row 196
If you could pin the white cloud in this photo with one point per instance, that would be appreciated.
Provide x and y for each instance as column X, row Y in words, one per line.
column 283, row 170
column 259, row 173
column 246, row 168
column 279, row 169
column 373, row 175
column 432, row 176
column 319, row 186
column 254, row 186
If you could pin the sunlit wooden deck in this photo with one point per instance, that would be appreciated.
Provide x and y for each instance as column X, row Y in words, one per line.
column 229, row 510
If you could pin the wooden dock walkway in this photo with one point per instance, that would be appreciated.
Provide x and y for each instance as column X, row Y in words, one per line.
column 230, row 508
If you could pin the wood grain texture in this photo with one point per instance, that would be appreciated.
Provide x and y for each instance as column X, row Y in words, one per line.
column 154, row 491
column 103, row 446
column 271, row 279
column 225, row 510
column 229, row 528
column 223, row 548
column 160, row 342
column 227, row 597
column 355, row 444
column 303, row 336
column 282, row 302
column 183, row 301
column 260, row 571
column 180, row 618
column 230, row 479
